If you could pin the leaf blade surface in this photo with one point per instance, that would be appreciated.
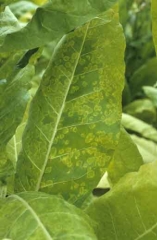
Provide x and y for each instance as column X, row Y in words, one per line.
column 41, row 216
column 75, row 116
column 129, row 210
column 52, row 21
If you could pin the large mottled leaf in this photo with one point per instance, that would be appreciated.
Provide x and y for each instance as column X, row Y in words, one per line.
column 52, row 21
column 154, row 22
column 137, row 126
column 126, row 158
column 38, row 216
column 129, row 210
column 74, row 120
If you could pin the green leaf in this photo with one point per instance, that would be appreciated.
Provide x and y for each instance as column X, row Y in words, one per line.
column 141, row 76
column 35, row 215
column 147, row 148
column 9, row 24
column 14, row 99
column 6, row 167
column 3, row 189
column 7, row 69
column 4, row 3
column 52, row 21
column 15, row 144
column 151, row 93
column 143, row 109
column 129, row 210
column 21, row 7
column 140, row 127
column 74, row 119
column 154, row 22
column 126, row 158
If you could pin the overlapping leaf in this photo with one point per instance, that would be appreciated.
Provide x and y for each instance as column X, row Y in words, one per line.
column 151, row 93
column 9, row 24
column 141, row 76
column 147, row 148
column 126, row 158
column 74, row 120
column 22, row 7
column 52, row 21
column 143, row 109
column 129, row 210
column 143, row 129
column 14, row 145
column 14, row 99
column 34, row 215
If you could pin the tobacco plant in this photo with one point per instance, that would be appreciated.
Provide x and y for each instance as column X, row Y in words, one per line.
column 61, row 82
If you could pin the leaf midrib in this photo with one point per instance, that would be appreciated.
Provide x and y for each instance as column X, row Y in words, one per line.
column 34, row 215
column 59, row 116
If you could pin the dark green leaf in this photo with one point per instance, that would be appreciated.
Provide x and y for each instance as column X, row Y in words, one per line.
column 144, row 76
column 143, row 109
column 52, row 21
column 14, row 99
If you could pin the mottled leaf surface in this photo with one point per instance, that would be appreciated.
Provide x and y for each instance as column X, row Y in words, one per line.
column 40, row 216
column 52, row 21
column 129, row 210
column 126, row 158
column 74, row 121
column 154, row 22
